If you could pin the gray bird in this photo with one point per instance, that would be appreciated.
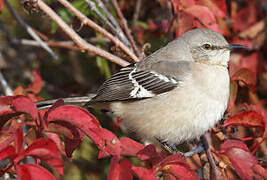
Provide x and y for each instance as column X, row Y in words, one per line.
column 176, row 94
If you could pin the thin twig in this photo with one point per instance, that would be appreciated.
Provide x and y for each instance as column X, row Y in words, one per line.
column 136, row 12
column 30, row 30
column 119, row 31
column 96, row 27
column 7, row 90
column 85, row 46
column 93, row 7
column 63, row 44
column 209, row 156
column 125, row 26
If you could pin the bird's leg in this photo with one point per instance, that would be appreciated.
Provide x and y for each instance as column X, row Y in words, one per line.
column 196, row 150
column 172, row 148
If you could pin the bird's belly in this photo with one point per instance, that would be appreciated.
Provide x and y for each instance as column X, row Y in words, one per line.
column 164, row 118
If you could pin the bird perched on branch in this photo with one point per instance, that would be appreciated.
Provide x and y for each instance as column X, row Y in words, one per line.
column 175, row 94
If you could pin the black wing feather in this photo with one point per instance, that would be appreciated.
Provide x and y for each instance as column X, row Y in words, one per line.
column 129, row 79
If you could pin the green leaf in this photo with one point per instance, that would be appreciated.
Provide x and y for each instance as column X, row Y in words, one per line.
column 142, row 24
column 65, row 15
column 54, row 27
column 103, row 66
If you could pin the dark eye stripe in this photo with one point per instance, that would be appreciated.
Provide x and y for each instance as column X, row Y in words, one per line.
column 217, row 47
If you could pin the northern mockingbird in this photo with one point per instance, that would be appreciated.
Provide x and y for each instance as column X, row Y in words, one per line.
column 175, row 94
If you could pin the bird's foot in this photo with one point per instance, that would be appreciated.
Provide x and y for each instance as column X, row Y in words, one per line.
column 172, row 149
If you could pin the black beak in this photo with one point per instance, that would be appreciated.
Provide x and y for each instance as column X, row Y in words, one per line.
column 235, row 46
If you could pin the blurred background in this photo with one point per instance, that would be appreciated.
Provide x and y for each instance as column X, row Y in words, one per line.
column 68, row 71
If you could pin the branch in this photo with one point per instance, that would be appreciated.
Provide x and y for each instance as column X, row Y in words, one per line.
column 63, row 44
column 113, row 27
column 209, row 155
column 85, row 46
column 30, row 30
column 119, row 32
column 125, row 26
column 7, row 90
column 136, row 12
column 96, row 27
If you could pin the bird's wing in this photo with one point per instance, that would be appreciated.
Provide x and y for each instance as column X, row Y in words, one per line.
column 139, row 81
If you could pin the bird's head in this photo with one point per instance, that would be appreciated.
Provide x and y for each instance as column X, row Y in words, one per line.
column 208, row 46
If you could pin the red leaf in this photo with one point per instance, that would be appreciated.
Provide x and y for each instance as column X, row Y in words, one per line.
column 143, row 173
column 33, row 172
column 229, row 144
column 178, row 172
column 250, row 62
column 187, row 3
column 57, row 140
column 125, row 169
column 74, row 115
column 72, row 144
column 1, row 5
column 245, row 17
column 247, row 119
column 204, row 15
column 6, row 112
column 150, row 154
column 173, row 159
column 108, row 144
column 46, row 150
column 114, row 169
column 5, row 103
column 63, row 128
column 246, row 76
column 5, row 140
column 36, row 85
column 211, row 4
column 260, row 171
column 25, row 105
column 185, row 23
column 240, row 158
column 174, row 166
column 13, row 105
column 130, row 147
column 19, row 140
column 74, row 120
column 119, row 171
column 179, row 5
column 8, row 152
column 233, row 94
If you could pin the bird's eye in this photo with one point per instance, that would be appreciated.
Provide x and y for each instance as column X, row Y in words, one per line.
column 206, row 46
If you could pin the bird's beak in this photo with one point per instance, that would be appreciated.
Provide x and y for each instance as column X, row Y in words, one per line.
column 235, row 46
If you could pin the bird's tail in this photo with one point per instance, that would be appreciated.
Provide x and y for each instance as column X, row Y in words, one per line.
column 79, row 101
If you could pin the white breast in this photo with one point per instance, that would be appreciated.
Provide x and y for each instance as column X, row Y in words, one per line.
column 182, row 114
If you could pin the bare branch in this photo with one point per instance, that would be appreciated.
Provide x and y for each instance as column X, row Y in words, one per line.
column 63, row 44
column 204, row 139
column 85, row 46
column 96, row 27
column 125, row 26
column 30, row 30
column 92, row 5
column 136, row 12
column 119, row 32
column 7, row 90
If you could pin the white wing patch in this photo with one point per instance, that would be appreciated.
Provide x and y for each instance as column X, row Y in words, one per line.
column 164, row 78
column 139, row 91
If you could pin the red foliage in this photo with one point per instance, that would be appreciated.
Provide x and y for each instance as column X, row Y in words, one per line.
column 241, row 159
column 32, row 171
column 72, row 123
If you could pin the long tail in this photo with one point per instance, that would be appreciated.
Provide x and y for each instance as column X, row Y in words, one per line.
column 79, row 101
